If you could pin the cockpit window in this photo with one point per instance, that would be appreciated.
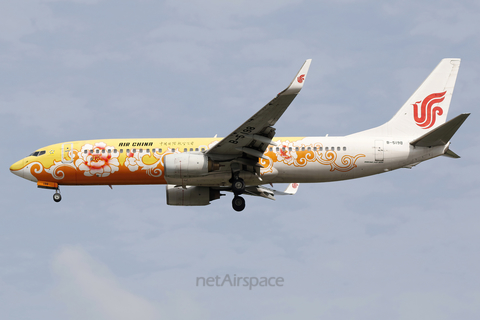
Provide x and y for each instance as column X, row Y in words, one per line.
column 37, row 153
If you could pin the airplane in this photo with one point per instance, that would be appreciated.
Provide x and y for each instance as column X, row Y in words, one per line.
column 196, row 170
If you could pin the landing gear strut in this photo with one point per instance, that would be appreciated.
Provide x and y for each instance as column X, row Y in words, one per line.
column 57, row 197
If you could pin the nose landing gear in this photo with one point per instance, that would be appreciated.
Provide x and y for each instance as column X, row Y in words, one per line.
column 51, row 186
column 57, row 197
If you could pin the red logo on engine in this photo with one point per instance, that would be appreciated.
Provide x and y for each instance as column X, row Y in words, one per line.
column 300, row 78
column 294, row 185
column 428, row 114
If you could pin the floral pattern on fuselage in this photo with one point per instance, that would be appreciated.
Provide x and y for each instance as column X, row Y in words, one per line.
column 291, row 156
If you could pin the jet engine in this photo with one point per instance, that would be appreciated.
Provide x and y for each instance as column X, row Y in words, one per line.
column 190, row 196
column 181, row 165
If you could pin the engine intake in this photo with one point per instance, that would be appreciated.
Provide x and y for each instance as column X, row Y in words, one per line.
column 191, row 196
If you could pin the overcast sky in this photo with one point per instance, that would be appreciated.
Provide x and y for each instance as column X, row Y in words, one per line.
column 401, row 245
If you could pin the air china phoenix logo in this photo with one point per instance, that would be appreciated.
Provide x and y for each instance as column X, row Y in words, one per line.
column 300, row 78
column 428, row 112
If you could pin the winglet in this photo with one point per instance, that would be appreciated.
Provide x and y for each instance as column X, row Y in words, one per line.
column 297, row 83
column 262, row 191
column 291, row 190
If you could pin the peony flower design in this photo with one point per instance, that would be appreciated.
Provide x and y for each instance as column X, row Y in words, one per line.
column 98, row 160
column 147, row 161
column 286, row 155
column 133, row 161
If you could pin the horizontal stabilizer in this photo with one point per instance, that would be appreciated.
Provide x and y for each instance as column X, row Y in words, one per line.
column 442, row 134
column 449, row 153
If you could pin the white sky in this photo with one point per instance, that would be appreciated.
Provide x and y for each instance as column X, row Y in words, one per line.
column 402, row 245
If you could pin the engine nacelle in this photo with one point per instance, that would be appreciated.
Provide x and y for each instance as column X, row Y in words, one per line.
column 190, row 196
column 181, row 165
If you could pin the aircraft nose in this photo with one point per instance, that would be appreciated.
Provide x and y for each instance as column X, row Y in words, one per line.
column 17, row 168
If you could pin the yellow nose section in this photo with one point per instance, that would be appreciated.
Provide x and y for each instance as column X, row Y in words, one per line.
column 17, row 168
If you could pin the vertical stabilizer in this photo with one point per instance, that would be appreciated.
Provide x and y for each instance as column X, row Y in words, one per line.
column 428, row 107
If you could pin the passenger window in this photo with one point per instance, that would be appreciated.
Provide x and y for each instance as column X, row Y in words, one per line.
column 338, row 148
column 271, row 149
column 97, row 151
column 134, row 150
column 109, row 150
column 103, row 150
column 196, row 149
column 141, row 150
column 121, row 150
column 148, row 150
column 314, row 148
column 278, row 149
column 326, row 148
column 86, row 151
column 296, row 148
column 344, row 148
column 203, row 149
column 332, row 148
column 185, row 150
column 191, row 149
column 115, row 151
column 309, row 149
column 289, row 148
column 303, row 148
column 128, row 150
column 160, row 150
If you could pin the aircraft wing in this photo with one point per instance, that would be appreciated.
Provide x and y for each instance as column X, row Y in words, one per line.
column 262, row 191
column 251, row 139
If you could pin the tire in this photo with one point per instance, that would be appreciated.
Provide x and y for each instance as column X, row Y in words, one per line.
column 57, row 197
column 238, row 186
column 238, row 203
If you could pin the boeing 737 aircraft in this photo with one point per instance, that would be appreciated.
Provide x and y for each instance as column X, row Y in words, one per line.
column 197, row 170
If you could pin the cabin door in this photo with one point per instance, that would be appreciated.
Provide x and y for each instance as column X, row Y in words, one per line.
column 67, row 152
column 378, row 150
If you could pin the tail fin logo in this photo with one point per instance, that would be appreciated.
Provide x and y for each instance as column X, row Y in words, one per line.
column 301, row 78
column 428, row 113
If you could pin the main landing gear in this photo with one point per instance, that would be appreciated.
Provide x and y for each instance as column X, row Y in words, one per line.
column 238, row 187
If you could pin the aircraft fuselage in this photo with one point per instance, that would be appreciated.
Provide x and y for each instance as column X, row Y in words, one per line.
column 294, row 159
